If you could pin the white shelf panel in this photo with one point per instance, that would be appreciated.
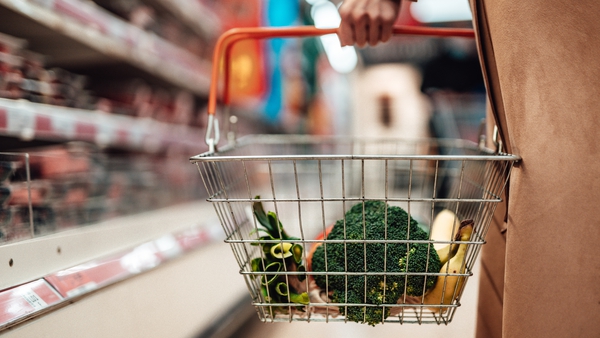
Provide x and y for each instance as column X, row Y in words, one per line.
column 39, row 257
column 28, row 121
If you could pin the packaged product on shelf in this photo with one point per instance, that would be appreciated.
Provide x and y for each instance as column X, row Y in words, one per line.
column 31, row 206
column 10, row 44
column 124, row 97
column 4, row 195
column 23, row 76
column 36, row 84
column 63, row 178
column 5, row 217
column 10, row 66
column 183, row 108
column 138, row 98
column 75, row 185
column 37, row 191
column 62, row 161
column 11, row 178
column 5, row 221
column 157, row 21
column 70, row 89
column 71, row 207
column 59, row 87
column 10, row 82
column 6, row 169
column 160, row 102
column 134, row 185
column 42, row 220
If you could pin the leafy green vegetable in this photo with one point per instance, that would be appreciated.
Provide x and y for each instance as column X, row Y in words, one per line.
column 277, row 258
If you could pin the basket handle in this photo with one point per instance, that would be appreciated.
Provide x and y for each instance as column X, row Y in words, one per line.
column 228, row 39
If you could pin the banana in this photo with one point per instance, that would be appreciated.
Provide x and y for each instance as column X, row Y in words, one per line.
column 448, row 288
column 448, row 251
column 444, row 228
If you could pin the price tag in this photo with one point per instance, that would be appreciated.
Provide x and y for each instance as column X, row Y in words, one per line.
column 67, row 281
column 26, row 299
column 88, row 276
column 34, row 300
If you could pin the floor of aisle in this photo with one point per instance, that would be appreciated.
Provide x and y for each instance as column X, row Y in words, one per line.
column 462, row 326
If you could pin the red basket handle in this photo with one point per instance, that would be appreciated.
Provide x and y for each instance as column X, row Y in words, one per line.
column 228, row 39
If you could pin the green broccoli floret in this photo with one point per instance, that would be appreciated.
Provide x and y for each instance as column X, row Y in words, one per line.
column 361, row 257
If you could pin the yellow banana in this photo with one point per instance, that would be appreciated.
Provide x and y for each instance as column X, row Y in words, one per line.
column 448, row 288
column 444, row 228
column 447, row 252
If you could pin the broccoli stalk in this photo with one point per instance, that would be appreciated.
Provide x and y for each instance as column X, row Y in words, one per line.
column 276, row 259
column 369, row 257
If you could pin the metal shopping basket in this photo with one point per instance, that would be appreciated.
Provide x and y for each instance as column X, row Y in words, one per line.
column 348, row 229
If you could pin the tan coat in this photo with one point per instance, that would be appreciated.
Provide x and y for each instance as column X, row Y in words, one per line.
column 541, row 269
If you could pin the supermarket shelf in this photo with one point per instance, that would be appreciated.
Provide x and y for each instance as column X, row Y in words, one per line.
column 28, row 121
column 79, row 35
column 95, row 258
column 194, row 14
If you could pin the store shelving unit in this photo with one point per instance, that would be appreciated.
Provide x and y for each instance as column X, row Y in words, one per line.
column 50, row 276
column 61, row 267
column 79, row 35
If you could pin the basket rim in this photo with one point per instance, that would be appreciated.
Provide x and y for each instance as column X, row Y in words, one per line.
column 221, row 155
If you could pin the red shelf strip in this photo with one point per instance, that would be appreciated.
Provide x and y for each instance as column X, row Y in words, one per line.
column 24, row 300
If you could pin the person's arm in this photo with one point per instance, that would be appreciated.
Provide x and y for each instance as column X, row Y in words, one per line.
column 367, row 21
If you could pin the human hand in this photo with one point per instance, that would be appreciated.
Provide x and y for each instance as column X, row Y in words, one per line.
column 367, row 21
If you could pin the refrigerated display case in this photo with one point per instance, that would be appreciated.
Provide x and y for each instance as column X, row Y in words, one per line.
column 101, row 217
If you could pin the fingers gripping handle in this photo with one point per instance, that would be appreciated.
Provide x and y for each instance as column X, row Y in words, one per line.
column 228, row 39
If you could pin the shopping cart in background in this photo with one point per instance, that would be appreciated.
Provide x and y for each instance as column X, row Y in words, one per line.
column 277, row 197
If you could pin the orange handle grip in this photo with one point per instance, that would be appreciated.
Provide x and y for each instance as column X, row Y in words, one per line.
column 228, row 39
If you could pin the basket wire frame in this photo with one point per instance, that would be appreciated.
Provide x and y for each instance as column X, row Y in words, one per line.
column 310, row 182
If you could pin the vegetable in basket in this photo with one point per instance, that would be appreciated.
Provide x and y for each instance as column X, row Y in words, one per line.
column 360, row 257
column 278, row 258
column 448, row 288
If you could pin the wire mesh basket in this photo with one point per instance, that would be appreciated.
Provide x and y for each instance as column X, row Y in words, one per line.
column 352, row 229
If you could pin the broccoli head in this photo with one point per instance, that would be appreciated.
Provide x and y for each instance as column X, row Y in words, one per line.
column 361, row 257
